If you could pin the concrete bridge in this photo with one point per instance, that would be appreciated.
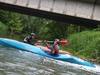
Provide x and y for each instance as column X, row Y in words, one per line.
column 85, row 12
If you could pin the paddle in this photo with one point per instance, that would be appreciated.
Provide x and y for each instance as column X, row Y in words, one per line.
column 63, row 42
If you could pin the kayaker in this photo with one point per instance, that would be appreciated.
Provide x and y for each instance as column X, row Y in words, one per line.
column 55, row 47
column 31, row 39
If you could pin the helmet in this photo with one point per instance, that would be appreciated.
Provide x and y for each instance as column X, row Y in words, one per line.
column 33, row 34
column 57, row 40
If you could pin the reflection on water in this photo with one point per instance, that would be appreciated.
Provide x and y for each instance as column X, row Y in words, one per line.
column 15, row 62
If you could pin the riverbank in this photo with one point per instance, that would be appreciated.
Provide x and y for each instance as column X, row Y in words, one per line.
column 86, row 45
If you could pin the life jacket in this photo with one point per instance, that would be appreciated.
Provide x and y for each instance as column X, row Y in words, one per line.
column 29, row 40
column 55, row 48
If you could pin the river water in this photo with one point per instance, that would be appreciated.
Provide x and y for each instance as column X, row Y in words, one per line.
column 16, row 62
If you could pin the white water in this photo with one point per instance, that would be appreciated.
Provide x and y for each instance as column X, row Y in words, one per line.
column 89, row 70
column 15, row 62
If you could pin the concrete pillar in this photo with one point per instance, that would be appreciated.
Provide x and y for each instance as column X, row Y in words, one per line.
column 34, row 4
column 96, row 15
column 8, row 1
column 21, row 3
column 2, row 0
column 70, row 7
column 85, row 9
column 46, row 5
column 59, row 6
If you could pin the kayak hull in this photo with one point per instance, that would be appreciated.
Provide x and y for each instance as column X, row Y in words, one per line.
column 30, row 48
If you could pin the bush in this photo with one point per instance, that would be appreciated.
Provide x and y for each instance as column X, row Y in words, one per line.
column 86, row 43
column 3, row 29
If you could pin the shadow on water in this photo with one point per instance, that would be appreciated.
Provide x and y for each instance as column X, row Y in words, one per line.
column 15, row 62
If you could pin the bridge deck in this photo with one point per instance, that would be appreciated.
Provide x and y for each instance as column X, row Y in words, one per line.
column 88, row 9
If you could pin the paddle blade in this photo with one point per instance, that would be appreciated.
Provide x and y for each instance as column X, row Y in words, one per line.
column 64, row 42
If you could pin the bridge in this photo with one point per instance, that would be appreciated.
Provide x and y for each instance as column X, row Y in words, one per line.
column 86, row 12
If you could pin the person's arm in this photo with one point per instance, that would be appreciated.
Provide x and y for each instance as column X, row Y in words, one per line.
column 47, row 44
column 38, row 42
column 25, row 39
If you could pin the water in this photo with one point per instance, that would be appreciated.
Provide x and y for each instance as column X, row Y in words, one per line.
column 15, row 62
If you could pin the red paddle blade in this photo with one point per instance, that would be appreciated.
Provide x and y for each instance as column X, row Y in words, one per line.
column 64, row 42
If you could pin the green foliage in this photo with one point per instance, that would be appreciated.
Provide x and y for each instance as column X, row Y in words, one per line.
column 15, row 24
column 32, row 24
column 3, row 29
column 85, row 43
column 12, row 21
column 56, row 30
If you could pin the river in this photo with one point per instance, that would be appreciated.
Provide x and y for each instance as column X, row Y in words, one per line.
column 16, row 62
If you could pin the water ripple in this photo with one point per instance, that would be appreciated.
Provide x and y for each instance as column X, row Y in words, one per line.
column 15, row 62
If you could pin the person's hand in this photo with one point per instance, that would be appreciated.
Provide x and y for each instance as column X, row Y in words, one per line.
column 39, row 41
column 45, row 41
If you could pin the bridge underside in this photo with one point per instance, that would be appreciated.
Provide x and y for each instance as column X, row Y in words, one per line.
column 49, row 15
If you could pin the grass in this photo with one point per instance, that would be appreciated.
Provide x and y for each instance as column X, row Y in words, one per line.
column 85, row 44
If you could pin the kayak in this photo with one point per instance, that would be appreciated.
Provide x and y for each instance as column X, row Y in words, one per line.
column 30, row 48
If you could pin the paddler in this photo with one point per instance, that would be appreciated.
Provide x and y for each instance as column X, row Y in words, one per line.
column 55, row 47
column 31, row 39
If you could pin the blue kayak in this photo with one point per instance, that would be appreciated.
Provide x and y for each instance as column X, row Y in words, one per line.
column 30, row 48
